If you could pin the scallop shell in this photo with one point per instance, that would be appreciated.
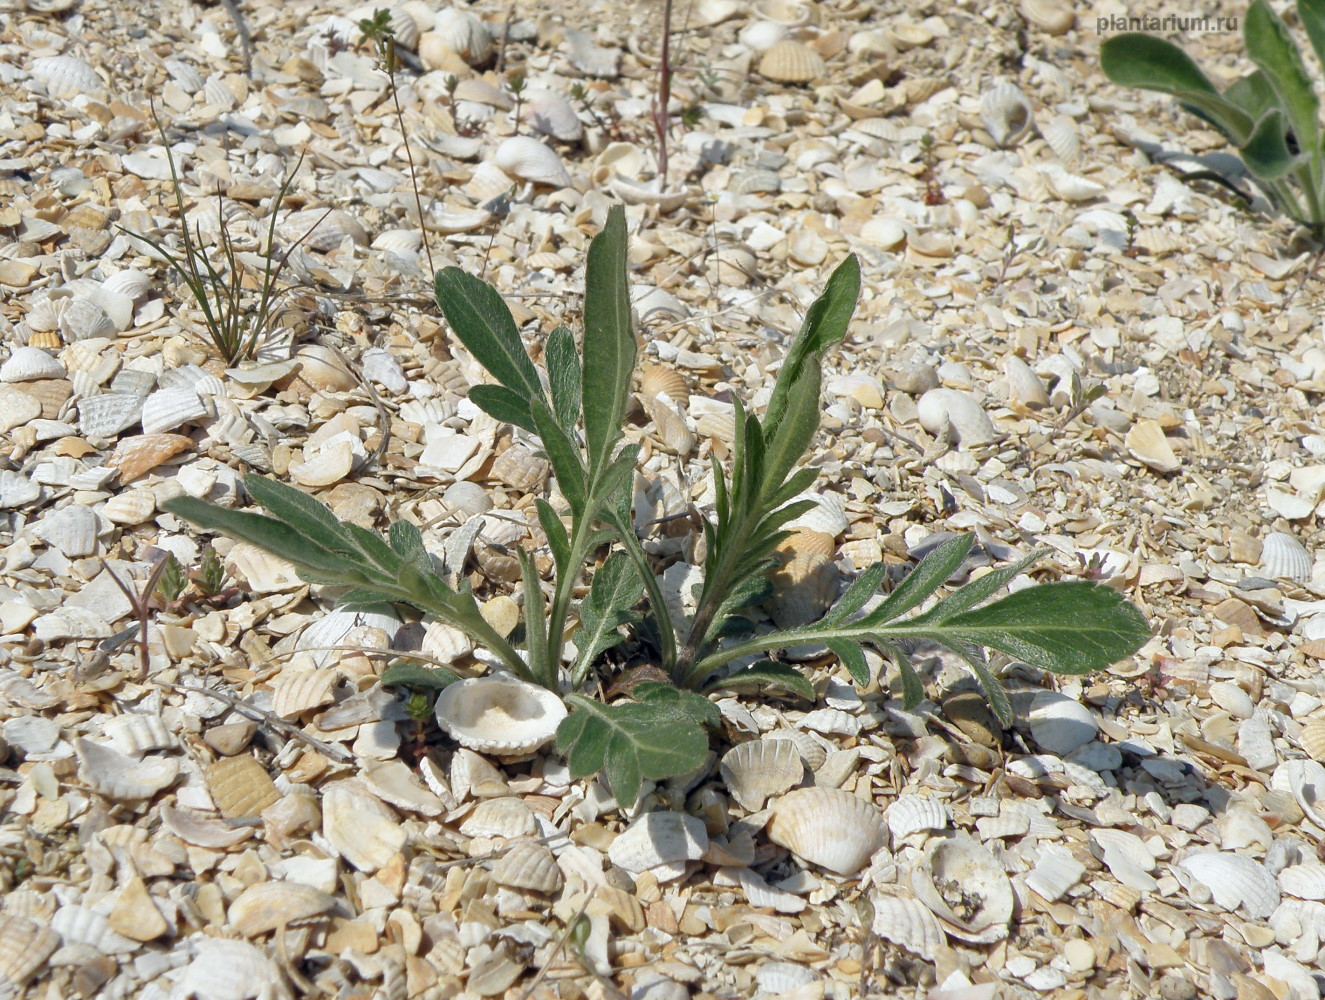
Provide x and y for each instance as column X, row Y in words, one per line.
column 659, row 838
column 24, row 947
column 528, row 865
column 28, row 364
column 1305, row 881
column 1006, row 113
column 132, row 284
column 359, row 826
column 405, row 29
column 240, row 786
column 1283, row 557
column 72, row 530
column 827, row 517
column 672, row 429
column 1053, row 17
column 1235, row 881
column 963, row 883
column 1068, row 186
column 325, row 467
column 83, row 319
column 915, row 813
column 1312, row 739
column 464, row 33
column 295, row 692
column 908, row 924
column 504, row 816
column 760, row 36
column 658, row 380
column 550, row 113
column 138, row 733
column 1147, row 443
column 501, row 715
column 398, row 239
column 458, row 220
column 1063, row 137
column 827, row 827
column 67, row 77
column 269, row 906
column 759, row 769
column 166, row 409
column 775, row 978
column 520, row 469
column 790, row 61
column 322, row 230
column 118, row 776
column 811, row 750
column 530, row 160
column 138, row 455
column 106, row 415
column 956, row 415
column 1061, row 724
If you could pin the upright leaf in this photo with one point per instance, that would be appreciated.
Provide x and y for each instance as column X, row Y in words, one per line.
column 863, row 587
column 563, row 375
column 481, row 319
column 609, row 340
column 564, row 458
column 1273, row 50
column 555, row 531
column 535, row 622
column 1266, row 153
column 612, row 597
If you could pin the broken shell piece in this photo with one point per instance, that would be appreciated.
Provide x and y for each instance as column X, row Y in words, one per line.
column 83, row 319
column 1283, row 557
column 24, row 947
column 756, row 770
column 104, row 416
column 71, row 530
column 240, row 787
column 915, row 813
column 203, row 831
column 966, row 887
column 528, row 865
column 1235, row 881
column 137, row 734
column 359, row 826
column 1147, row 444
column 166, row 409
column 528, row 159
column 548, row 112
column 659, row 838
column 1006, row 113
column 118, row 776
column 225, row 970
column 1053, row 17
column 138, row 455
column 268, row 906
column 66, row 76
column 504, row 816
column 790, row 61
column 501, row 715
column 956, row 415
column 1061, row 724
column 520, row 469
column 327, row 466
column 27, row 364
column 909, row 924
column 1306, row 780
column 827, row 827
column 1304, row 881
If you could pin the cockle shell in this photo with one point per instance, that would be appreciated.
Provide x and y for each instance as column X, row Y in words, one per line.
column 104, row 416
column 760, row 36
column 827, row 517
column 1068, row 186
column 957, row 415
column 24, row 947
column 775, row 978
column 268, row 906
column 359, row 826
column 223, row 969
column 167, row 409
column 827, row 827
column 240, row 786
column 811, row 750
column 526, row 158
column 500, row 715
column 504, row 816
column 86, row 926
column 916, row 813
column 528, row 865
column 405, row 29
column 138, row 733
column 118, row 776
column 1061, row 724
column 658, row 380
column 67, row 77
column 138, row 455
column 790, row 61
column 1234, row 881
column 295, row 692
column 1283, row 557
column 673, row 431
column 807, row 582
column 1006, row 113
column 27, row 364
column 550, row 113
column 1025, row 390
column 82, row 319
column 1306, row 881
column 1306, row 780
column 322, row 230
column 659, row 838
column 1053, row 17
column 464, row 33
column 909, row 924
column 520, row 469
column 756, row 770
column 1063, row 137
column 963, row 883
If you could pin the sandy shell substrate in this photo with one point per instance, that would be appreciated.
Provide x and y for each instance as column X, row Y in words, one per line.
column 1060, row 344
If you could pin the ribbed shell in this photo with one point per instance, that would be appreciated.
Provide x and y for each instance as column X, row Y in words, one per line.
column 1283, row 557
column 913, row 813
column 528, row 865
column 827, row 827
column 240, row 786
column 790, row 61
column 1006, row 113
column 756, row 770
column 499, row 715
column 909, row 924
column 24, row 947
column 506, row 816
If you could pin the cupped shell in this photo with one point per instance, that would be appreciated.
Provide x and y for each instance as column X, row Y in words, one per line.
column 956, row 415
column 27, row 364
column 790, row 61
column 914, row 814
column 909, row 924
column 1283, row 557
column 756, row 770
column 359, row 826
column 1006, row 113
column 500, row 715
column 1304, row 881
column 827, row 827
column 528, row 865
column 966, row 887
column 659, row 838
column 24, row 947
column 530, row 160
column 549, row 112
column 268, row 906
column 1235, row 881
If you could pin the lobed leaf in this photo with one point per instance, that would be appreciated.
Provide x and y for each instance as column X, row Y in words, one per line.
column 766, row 675
column 971, row 594
column 699, row 708
column 630, row 742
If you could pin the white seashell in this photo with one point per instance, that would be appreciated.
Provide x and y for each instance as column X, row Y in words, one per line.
column 759, row 894
column 1126, row 856
column 132, row 284
column 827, row 827
column 185, row 76
column 1069, row 187
column 909, row 924
column 405, row 29
column 1025, row 389
column 166, row 409
column 670, row 424
column 269, row 906
column 1283, row 557
column 528, row 865
column 118, row 776
column 550, row 113
column 790, row 61
column 831, row 721
column 526, row 158
column 784, row 977
column 84, row 925
column 1147, row 443
column 915, row 813
column 28, row 364
column 1306, row 780
column 67, row 77
column 24, row 947
column 791, row 13
column 590, row 58
column 1235, row 881
column 756, row 770
column 1061, row 724
column 1006, row 113
column 295, row 691
column 884, row 232
column 136, row 733
column 963, row 883
column 203, row 831
column 828, row 517
column 385, row 369
column 84, row 319
column 956, row 415
column 1063, row 137
column 760, row 36
column 811, row 750
column 464, row 33
column 458, row 220
column 32, row 734
column 1053, row 17
column 72, row 530
column 223, row 969
column 504, row 816
column 707, row 13
column 521, row 469
column 1056, row 871
column 398, row 239
column 323, row 230
column 1305, row 881
column 104, row 416
column 359, row 826
column 501, row 715
column 240, row 786
column 659, row 838
column 325, row 467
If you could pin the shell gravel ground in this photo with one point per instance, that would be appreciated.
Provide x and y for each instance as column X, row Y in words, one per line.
column 256, row 817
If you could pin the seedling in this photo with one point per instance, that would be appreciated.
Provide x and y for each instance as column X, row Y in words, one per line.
column 1271, row 114
column 1071, row 627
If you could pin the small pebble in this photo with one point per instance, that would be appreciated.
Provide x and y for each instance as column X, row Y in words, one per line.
column 231, row 738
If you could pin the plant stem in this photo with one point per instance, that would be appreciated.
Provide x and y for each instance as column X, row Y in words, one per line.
column 664, row 95
column 581, row 533
column 404, row 136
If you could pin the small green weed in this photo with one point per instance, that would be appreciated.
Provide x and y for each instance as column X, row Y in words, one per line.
column 1072, row 627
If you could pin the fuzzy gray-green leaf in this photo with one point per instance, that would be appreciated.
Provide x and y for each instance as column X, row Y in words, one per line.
column 609, row 340
column 941, row 562
column 555, row 531
column 699, row 708
column 506, row 405
column 481, row 319
column 404, row 673
column 1273, row 50
column 971, row 594
column 863, row 587
column 853, row 658
column 563, row 375
column 615, row 590
column 1266, row 153
column 563, row 456
column 764, row 676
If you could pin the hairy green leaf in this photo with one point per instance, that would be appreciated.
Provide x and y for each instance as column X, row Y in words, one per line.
column 939, row 564
column 506, row 405
column 564, row 458
column 1273, row 51
column 991, row 685
column 406, row 673
column 612, row 597
column 971, row 594
column 366, row 599
column 481, row 319
column 863, row 587
column 1266, row 153
column 557, row 539
column 563, row 375
column 630, row 742
column 299, row 510
column 913, row 692
column 766, row 675
column 535, row 622
column 853, row 658
column 609, row 340
column 699, row 708
column 1253, row 94
column 408, row 544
